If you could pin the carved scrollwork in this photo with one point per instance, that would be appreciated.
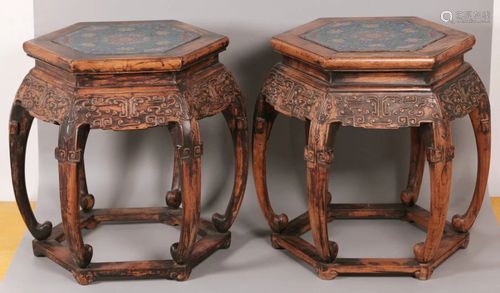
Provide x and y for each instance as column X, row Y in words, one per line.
column 212, row 94
column 68, row 155
column 461, row 95
column 290, row 97
column 43, row 100
column 324, row 157
column 187, row 153
column 130, row 112
column 382, row 110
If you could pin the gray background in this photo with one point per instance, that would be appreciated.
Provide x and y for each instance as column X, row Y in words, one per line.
column 134, row 168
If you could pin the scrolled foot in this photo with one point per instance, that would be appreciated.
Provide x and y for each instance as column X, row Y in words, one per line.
column 418, row 250
column 408, row 197
column 174, row 198
column 326, row 274
column 87, row 257
column 334, row 249
column 280, row 222
column 87, row 202
column 175, row 256
column 219, row 221
column 458, row 224
column 43, row 231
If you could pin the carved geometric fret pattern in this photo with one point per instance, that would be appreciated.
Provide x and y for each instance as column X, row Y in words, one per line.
column 289, row 97
column 133, row 112
column 373, row 110
column 382, row 110
column 462, row 94
column 43, row 100
column 201, row 96
column 211, row 94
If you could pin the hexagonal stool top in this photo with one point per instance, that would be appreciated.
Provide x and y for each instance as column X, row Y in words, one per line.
column 100, row 47
column 373, row 43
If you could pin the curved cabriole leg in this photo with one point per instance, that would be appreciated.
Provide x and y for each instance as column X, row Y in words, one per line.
column 264, row 117
column 174, row 196
column 69, row 156
column 319, row 155
column 409, row 196
column 19, row 129
column 440, row 152
column 86, row 200
column 189, row 155
column 236, row 119
column 480, row 119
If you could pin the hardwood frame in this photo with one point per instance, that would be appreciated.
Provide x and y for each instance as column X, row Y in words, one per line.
column 425, row 89
column 211, row 240
column 79, row 93
column 290, row 240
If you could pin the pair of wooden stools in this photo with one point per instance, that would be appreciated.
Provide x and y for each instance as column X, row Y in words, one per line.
column 375, row 73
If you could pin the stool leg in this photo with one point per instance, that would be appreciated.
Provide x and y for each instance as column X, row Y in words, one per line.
column 307, row 127
column 319, row 155
column 236, row 119
column 264, row 117
column 440, row 152
column 86, row 200
column 189, row 154
column 69, row 156
column 409, row 196
column 19, row 129
column 480, row 119
column 174, row 196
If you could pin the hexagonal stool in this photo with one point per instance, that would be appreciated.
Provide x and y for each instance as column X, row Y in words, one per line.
column 374, row 73
column 127, row 76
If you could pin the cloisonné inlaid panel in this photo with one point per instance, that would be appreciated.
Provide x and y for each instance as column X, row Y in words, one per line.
column 126, row 38
column 383, row 35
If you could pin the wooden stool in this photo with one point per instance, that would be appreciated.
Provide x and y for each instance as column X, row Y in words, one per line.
column 127, row 76
column 374, row 73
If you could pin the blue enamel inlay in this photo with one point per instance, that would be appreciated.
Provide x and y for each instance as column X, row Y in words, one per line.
column 126, row 39
column 382, row 35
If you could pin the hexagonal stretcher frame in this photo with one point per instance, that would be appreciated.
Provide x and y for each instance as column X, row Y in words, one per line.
column 211, row 240
column 290, row 240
